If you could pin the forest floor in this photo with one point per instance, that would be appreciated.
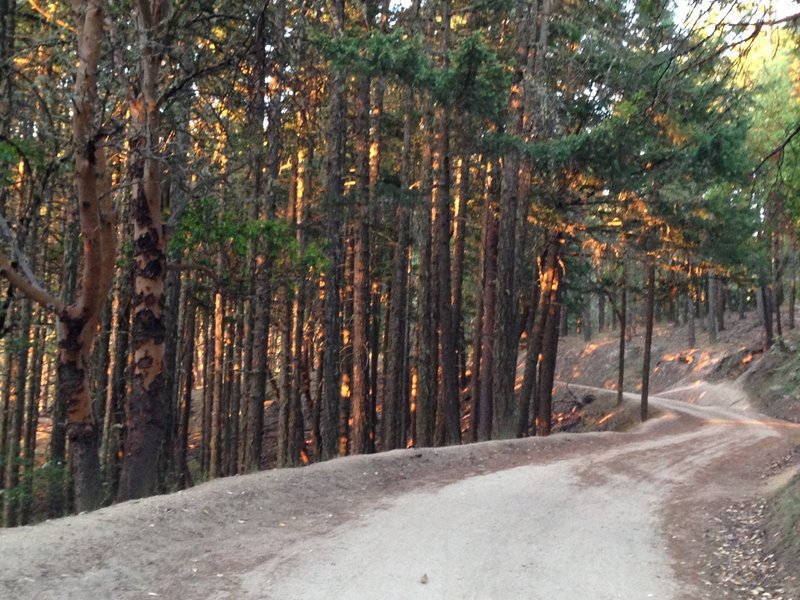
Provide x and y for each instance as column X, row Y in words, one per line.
column 682, row 507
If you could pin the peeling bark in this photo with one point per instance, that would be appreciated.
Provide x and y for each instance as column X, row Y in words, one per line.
column 147, row 402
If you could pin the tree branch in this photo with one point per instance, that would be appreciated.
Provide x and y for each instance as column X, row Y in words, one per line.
column 17, row 258
column 46, row 300
column 780, row 148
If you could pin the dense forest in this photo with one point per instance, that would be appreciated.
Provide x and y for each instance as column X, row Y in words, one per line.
column 251, row 234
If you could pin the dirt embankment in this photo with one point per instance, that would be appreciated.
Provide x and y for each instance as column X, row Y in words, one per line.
column 674, row 362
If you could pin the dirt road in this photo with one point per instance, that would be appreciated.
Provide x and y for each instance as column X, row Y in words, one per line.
column 583, row 517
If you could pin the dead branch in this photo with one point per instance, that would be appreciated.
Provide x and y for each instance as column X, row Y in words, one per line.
column 38, row 295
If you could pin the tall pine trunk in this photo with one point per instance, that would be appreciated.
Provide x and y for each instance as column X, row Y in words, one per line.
column 147, row 402
column 547, row 366
column 394, row 398
column 332, row 345
column 359, row 391
column 427, row 356
column 504, row 369
column 486, row 405
column 622, row 317
column 649, row 311
column 459, row 249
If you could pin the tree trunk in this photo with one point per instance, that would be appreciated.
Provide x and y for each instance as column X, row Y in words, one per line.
column 459, row 247
column 712, row 309
column 32, row 419
column 147, row 402
column 586, row 319
column 331, row 375
column 792, row 298
column 171, row 375
column 528, row 398
column 486, row 407
column 296, row 427
column 207, row 387
column 347, row 350
column 184, row 477
column 504, row 368
column 766, row 305
column 394, row 398
column 262, row 303
column 215, row 439
column 285, row 455
column 359, row 392
column 648, row 335
column 7, row 36
column 58, row 439
column 622, row 317
column 448, row 425
column 601, row 312
column 477, row 342
column 7, row 363
column 76, row 322
column 427, row 359
column 547, row 366
column 16, row 417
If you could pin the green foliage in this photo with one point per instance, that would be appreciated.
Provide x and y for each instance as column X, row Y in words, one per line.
column 393, row 54
column 473, row 80
column 12, row 150
column 7, row 156
column 721, row 150
column 37, row 488
column 207, row 228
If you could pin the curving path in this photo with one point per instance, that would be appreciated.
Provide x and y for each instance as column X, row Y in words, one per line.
column 591, row 516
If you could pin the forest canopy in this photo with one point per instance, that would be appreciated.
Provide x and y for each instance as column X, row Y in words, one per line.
column 242, row 235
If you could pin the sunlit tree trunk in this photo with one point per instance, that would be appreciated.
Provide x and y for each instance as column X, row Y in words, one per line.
column 459, row 247
column 477, row 331
column 346, row 358
column 331, row 373
column 215, row 438
column 297, row 370
column 547, row 365
column 77, row 321
column 359, row 392
column 528, row 399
